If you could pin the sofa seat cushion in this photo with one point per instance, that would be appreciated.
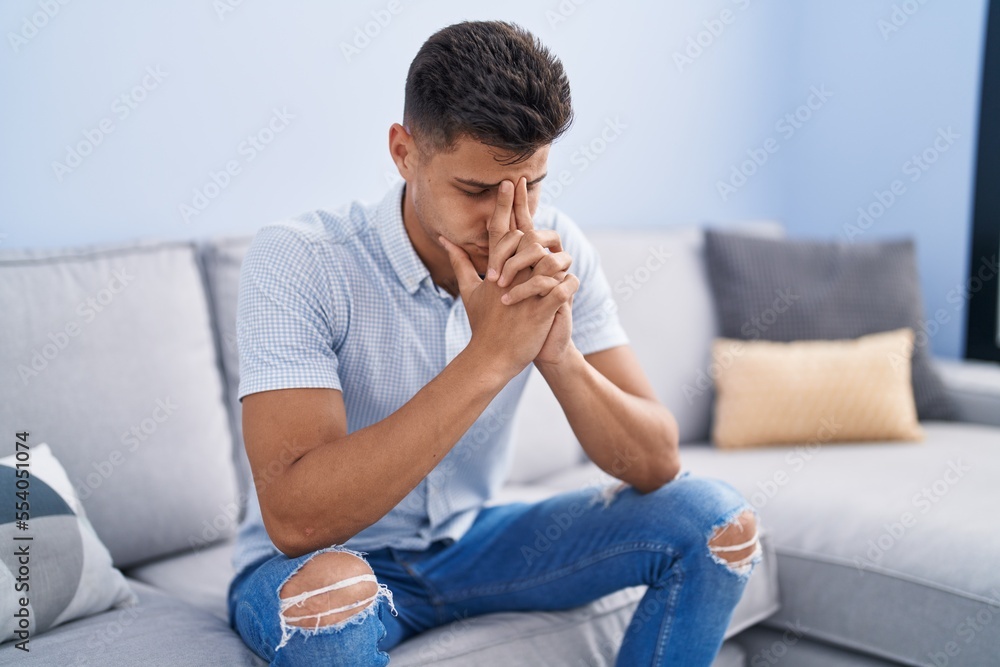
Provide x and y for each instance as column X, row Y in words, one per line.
column 161, row 631
column 588, row 635
column 887, row 548
column 199, row 577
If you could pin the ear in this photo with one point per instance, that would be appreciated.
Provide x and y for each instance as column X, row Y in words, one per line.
column 402, row 150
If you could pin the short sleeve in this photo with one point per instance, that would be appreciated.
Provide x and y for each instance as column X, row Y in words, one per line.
column 595, row 315
column 285, row 315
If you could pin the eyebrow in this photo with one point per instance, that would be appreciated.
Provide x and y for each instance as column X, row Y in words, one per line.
column 487, row 186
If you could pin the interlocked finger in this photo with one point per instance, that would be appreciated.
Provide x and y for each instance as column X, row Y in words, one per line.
column 540, row 285
column 538, row 259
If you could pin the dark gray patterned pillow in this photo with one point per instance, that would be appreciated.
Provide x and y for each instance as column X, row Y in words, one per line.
column 785, row 290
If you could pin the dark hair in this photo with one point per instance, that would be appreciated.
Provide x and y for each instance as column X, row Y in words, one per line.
column 492, row 81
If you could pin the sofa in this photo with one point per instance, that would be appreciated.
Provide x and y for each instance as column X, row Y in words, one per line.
column 842, row 581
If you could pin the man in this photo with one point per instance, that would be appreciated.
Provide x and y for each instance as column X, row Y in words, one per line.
column 383, row 350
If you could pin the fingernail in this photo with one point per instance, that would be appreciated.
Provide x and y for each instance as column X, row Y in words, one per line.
column 491, row 274
column 505, row 298
column 506, row 187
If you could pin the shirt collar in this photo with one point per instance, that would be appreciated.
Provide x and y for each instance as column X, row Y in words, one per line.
column 404, row 259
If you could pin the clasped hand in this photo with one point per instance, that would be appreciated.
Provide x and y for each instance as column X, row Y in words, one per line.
column 524, row 306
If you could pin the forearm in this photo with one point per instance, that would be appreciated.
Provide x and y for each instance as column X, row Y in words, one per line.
column 341, row 487
column 631, row 438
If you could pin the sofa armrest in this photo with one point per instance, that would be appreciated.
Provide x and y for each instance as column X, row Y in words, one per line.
column 974, row 387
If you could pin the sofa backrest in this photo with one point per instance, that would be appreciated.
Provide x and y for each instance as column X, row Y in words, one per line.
column 108, row 355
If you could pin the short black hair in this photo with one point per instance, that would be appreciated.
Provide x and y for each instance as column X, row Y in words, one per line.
column 492, row 81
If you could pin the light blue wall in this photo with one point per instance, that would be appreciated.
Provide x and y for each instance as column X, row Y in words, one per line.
column 683, row 126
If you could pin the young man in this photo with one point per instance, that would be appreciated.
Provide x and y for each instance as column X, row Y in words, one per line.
column 383, row 350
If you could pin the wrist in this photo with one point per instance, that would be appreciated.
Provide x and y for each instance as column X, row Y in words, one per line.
column 570, row 362
column 492, row 367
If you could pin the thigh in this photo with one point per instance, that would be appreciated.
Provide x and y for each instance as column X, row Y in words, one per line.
column 575, row 547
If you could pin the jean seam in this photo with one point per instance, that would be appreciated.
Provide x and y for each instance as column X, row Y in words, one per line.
column 670, row 614
column 259, row 639
column 521, row 584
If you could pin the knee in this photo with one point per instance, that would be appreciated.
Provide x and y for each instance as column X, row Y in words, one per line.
column 329, row 588
column 736, row 544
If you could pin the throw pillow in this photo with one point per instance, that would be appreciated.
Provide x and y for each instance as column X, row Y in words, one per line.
column 814, row 391
column 785, row 290
column 53, row 567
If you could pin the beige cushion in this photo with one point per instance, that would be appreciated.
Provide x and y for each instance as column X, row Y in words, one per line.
column 814, row 391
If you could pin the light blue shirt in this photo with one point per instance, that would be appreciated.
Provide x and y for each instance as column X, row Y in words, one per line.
column 340, row 299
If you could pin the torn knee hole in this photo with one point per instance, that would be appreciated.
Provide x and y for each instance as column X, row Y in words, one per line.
column 329, row 588
column 736, row 544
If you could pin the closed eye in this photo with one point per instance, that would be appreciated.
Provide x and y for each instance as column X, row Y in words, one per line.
column 478, row 193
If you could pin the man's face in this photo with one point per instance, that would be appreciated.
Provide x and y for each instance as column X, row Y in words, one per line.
column 455, row 193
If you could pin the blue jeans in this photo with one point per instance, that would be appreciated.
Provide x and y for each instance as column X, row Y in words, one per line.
column 559, row 553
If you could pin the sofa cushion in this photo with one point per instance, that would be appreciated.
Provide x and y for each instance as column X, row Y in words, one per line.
column 785, row 290
column 769, row 393
column 199, row 577
column 108, row 356
column 50, row 557
column 888, row 548
column 161, row 631
column 588, row 635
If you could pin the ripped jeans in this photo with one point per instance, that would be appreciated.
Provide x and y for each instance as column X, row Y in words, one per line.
column 558, row 553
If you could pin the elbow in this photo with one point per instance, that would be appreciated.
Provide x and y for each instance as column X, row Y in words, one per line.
column 300, row 536
column 663, row 466
column 295, row 542
column 656, row 477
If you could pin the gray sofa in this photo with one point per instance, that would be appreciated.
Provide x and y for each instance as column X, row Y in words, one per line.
column 840, row 583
